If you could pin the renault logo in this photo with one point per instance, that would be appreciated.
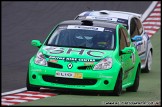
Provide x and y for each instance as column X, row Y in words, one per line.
column 70, row 65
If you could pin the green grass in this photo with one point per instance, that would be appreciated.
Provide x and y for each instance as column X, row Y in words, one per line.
column 149, row 88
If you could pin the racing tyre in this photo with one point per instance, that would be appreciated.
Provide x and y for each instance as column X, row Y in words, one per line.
column 147, row 69
column 118, row 86
column 135, row 86
column 29, row 86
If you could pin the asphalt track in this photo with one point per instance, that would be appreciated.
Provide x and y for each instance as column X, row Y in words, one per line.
column 24, row 21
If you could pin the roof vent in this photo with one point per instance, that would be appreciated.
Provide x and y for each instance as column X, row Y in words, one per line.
column 87, row 22
column 105, row 12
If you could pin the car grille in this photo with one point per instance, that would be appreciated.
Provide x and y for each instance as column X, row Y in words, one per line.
column 54, row 65
column 85, row 67
column 69, row 81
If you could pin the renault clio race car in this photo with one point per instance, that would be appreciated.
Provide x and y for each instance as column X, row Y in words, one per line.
column 132, row 21
column 86, row 55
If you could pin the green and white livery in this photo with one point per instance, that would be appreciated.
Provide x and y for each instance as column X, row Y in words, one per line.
column 86, row 55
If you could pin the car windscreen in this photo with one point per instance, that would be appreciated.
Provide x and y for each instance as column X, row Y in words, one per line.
column 79, row 36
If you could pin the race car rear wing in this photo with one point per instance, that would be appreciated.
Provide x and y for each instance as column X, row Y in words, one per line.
column 107, row 12
column 131, row 13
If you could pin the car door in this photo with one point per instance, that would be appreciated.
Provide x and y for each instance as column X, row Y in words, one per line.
column 136, row 28
column 143, row 47
column 126, row 59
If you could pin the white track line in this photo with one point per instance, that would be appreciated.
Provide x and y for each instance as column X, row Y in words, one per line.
column 151, row 31
column 154, row 23
column 14, row 100
column 40, row 95
column 7, row 103
column 14, row 91
column 30, row 98
column 157, row 9
column 147, row 12
column 154, row 27
column 11, row 97
column 155, row 14
column 153, row 18
column 159, row 5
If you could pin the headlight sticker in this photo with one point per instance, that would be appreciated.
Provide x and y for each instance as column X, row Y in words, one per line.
column 88, row 63
column 53, row 61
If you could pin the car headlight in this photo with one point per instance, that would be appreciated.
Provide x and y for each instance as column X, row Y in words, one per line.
column 104, row 64
column 40, row 59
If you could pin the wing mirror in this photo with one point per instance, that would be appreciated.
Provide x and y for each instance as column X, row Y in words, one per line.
column 36, row 43
column 127, row 50
column 136, row 38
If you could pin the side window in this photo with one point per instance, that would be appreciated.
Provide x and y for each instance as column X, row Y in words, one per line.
column 125, row 33
column 122, row 40
column 133, row 28
column 139, row 26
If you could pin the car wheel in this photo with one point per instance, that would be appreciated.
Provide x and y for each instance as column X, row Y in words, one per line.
column 135, row 86
column 147, row 69
column 118, row 86
column 29, row 86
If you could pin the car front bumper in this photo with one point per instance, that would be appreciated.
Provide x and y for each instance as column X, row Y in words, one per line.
column 44, row 76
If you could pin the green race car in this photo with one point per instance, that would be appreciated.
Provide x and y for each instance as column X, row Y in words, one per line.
column 86, row 55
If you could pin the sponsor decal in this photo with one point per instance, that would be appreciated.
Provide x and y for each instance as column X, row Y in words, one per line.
column 62, row 27
column 56, row 57
column 73, row 59
column 58, row 50
column 85, row 27
column 69, row 75
column 123, row 21
column 86, row 60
